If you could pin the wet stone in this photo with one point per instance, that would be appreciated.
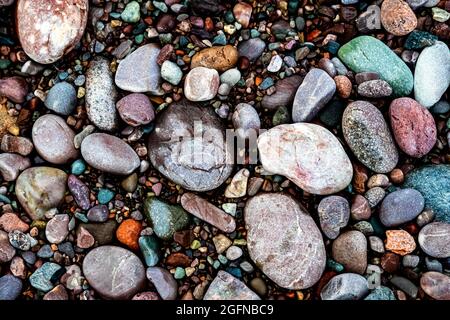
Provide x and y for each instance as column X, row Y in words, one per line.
column 14, row 88
column 7, row 251
column 44, row 277
column 11, row 165
column 436, row 285
column 285, row 93
column 13, row 144
column 374, row 89
column 57, row 228
column 80, row 192
column 10, row 287
column 252, row 48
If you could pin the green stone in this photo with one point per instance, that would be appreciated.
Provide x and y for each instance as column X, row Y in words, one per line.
column 368, row 54
column 440, row 15
column 381, row 293
column 166, row 219
column 179, row 273
column 131, row 13
column 419, row 39
column 4, row 63
column 281, row 116
column 42, row 278
column 335, row 266
column 78, row 167
column 195, row 245
column 433, row 183
column 150, row 250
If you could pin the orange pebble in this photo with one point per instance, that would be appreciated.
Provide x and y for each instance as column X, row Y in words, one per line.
column 313, row 34
column 258, row 81
column 400, row 242
column 128, row 233
column 209, row 24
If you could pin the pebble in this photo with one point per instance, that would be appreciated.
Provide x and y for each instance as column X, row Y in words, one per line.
column 220, row 58
column 343, row 86
column 346, row 286
column 231, row 77
column 58, row 293
column 238, row 185
column 43, row 278
column 131, row 13
column 425, row 217
column 350, row 250
column 397, row 17
column 234, row 253
column 334, row 213
column 275, row 64
column 50, row 128
column 56, row 29
column 201, row 84
column 381, row 293
column 368, row 136
column 11, row 165
column 139, row 72
column 128, row 233
column 129, row 184
column 208, row 212
column 205, row 171
column 440, row 107
column 436, row 285
column 109, row 154
column 221, row 243
column 98, row 213
column 433, row 264
column 57, row 228
column 146, row 296
column 252, row 48
column 105, row 195
column 434, row 239
column 166, row 219
column 271, row 237
column 227, row 287
column 103, row 233
column 79, row 191
column 10, row 287
column 101, row 95
column 323, row 170
column 430, row 181
column 40, row 189
column 410, row 261
column 413, row 127
column 85, row 239
column 10, row 221
column 400, row 242
column 115, row 273
column 285, row 93
column 401, row 206
column 13, row 144
column 7, row 251
column 405, row 285
column 360, row 209
column 246, row 121
column 150, row 250
column 375, row 89
column 61, row 98
column 136, row 109
column 242, row 11
column 14, row 88
column 82, row 135
column 368, row 54
column 376, row 244
column 171, row 72
column 432, row 74
column 164, row 282
column 314, row 93
column 419, row 39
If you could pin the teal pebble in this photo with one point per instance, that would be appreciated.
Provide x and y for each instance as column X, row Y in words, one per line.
column 266, row 84
column 222, row 259
column 229, row 17
column 42, row 278
column 220, row 39
column 335, row 266
column 150, row 250
column 105, row 195
column 419, row 39
column 216, row 264
column 139, row 38
column 81, row 217
column 254, row 33
column 78, row 167
column 131, row 13
column 4, row 199
column 4, row 63
column 381, row 293
column 160, row 5
column 179, row 273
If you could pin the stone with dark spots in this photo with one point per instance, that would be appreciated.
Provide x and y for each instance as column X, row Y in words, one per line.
column 334, row 213
column 80, row 192
column 375, row 89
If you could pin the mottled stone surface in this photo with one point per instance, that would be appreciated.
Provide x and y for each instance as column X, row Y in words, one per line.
column 101, row 95
column 40, row 189
column 61, row 98
column 285, row 93
column 114, row 272
column 48, row 31
column 13, row 144
column 246, row 121
column 436, row 285
column 284, row 241
column 432, row 182
column 400, row 242
column 375, row 89
column 350, row 250
column 432, row 74
column 163, row 281
column 208, row 212
column 80, row 192
column 109, row 154
column 139, row 71
column 346, row 286
column 381, row 293
column 14, row 88
column 227, row 287
column 53, row 139
column 136, row 109
column 220, row 58
column 401, row 206
column 10, row 287
column 194, row 163
column 57, row 228
column 413, row 127
column 366, row 53
column 397, row 17
column 434, row 239
column 334, row 212
column 7, row 251
column 307, row 154
column 11, row 165
column 314, row 93
column 201, row 84
column 368, row 136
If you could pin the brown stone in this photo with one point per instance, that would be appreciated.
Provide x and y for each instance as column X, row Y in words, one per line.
column 12, row 164
column 397, row 176
column 220, row 58
column 58, row 293
column 359, row 178
column 343, row 86
column 13, row 144
column 400, row 242
column 360, row 209
column 18, row 267
column 178, row 259
column 7, row 251
column 397, row 17
column 10, row 221
column 242, row 11
column 390, row 262
column 350, row 250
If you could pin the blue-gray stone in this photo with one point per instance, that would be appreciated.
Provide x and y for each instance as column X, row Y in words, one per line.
column 440, row 107
column 10, row 287
column 42, row 278
column 405, row 285
column 401, row 206
column 67, row 248
column 433, row 183
column 150, row 250
column 29, row 257
column 252, row 48
column 381, row 293
column 62, row 98
column 433, row 265
column 346, row 286
column 45, row 252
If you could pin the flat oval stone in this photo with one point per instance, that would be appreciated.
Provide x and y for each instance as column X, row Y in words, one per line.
column 346, row 286
column 48, row 31
column 220, row 58
column 101, row 95
column 61, row 98
column 285, row 93
column 246, row 121
column 164, row 282
column 139, row 72
column 308, row 155
column 401, row 206
column 432, row 74
column 434, row 239
column 201, row 84
column 413, row 127
column 13, row 144
column 202, row 169
column 368, row 136
column 432, row 182
column 136, row 109
column 291, row 254
column 10, row 287
column 350, row 250
column 375, row 89
column 227, row 287
column 53, row 139
column 109, row 154
column 40, row 189
column 334, row 212
column 314, row 93
column 397, row 17
column 114, row 272
column 252, row 48
column 368, row 54
column 436, row 285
